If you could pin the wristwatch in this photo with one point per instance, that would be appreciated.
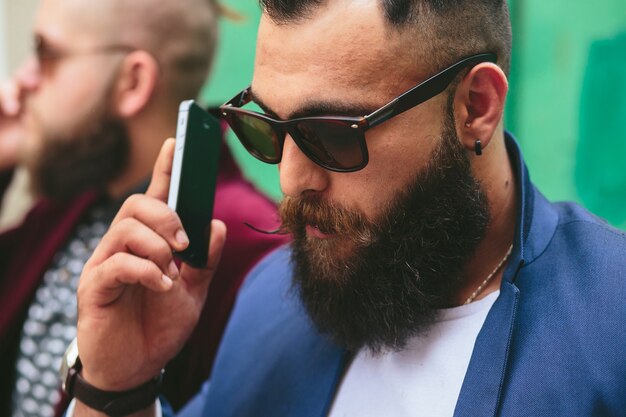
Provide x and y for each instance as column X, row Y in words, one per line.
column 112, row 403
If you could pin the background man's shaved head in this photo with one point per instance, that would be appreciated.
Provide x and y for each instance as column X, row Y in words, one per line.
column 180, row 34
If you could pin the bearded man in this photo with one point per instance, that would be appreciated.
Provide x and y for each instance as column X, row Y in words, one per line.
column 87, row 115
column 427, row 275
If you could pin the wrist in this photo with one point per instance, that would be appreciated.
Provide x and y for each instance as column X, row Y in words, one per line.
column 78, row 409
column 115, row 403
column 108, row 382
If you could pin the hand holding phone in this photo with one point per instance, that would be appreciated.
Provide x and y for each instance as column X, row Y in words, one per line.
column 194, row 177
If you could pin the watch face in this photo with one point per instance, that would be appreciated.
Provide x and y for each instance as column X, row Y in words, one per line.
column 68, row 361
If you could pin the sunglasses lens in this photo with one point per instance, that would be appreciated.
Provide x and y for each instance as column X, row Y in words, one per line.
column 257, row 136
column 335, row 144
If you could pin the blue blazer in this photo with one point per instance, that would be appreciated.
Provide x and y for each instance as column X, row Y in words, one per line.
column 553, row 344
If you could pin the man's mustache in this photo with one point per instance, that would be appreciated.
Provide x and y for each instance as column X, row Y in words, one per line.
column 296, row 213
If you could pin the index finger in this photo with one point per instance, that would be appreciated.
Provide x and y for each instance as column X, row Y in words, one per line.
column 162, row 172
column 9, row 98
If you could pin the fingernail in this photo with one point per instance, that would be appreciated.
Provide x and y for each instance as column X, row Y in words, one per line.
column 168, row 282
column 181, row 237
column 173, row 269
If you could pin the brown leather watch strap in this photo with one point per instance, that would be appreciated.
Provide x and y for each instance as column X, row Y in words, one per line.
column 112, row 403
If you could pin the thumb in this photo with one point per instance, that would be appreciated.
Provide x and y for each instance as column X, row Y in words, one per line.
column 202, row 277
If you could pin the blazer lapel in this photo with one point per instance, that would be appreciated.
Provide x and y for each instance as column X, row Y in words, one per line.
column 480, row 392
column 536, row 223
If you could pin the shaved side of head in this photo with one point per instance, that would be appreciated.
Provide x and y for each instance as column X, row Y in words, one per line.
column 180, row 34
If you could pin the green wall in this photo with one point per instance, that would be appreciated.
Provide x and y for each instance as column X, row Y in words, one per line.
column 566, row 105
column 231, row 73
column 552, row 72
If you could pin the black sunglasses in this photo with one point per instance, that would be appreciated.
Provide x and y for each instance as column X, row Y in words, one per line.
column 47, row 54
column 336, row 143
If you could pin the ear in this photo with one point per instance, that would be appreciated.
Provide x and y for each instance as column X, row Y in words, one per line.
column 479, row 104
column 136, row 83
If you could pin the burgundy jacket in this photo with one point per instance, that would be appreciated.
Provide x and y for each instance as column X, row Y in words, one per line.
column 27, row 251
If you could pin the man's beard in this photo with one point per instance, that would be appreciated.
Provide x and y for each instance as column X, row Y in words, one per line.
column 378, row 283
column 89, row 156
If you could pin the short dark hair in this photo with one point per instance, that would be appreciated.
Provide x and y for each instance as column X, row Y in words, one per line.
column 445, row 30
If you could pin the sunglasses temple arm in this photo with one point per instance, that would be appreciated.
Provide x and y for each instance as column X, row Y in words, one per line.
column 236, row 101
column 214, row 111
column 425, row 90
column 412, row 98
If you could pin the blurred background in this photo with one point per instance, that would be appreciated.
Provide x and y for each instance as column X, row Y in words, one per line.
column 567, row 101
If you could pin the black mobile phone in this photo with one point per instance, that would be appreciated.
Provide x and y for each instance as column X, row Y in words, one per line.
column 194, row 176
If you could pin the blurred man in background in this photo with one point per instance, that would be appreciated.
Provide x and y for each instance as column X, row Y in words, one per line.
column 87, row 115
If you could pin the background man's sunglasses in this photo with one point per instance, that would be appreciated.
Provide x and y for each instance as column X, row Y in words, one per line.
column 336, row 143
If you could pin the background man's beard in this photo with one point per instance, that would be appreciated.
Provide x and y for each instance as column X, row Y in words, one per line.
column 379, row 283
column 89, row 157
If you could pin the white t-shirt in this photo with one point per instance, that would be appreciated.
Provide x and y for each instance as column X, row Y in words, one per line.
column 424, row 379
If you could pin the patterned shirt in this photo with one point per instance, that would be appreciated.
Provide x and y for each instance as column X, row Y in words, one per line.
column 51, row 320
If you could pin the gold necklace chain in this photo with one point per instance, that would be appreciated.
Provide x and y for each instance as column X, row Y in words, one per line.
column 482, row 285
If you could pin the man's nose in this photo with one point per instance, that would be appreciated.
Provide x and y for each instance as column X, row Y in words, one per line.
column 28, row 75
column 299, row 174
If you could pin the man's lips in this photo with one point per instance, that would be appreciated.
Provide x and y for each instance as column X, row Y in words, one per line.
column 314, row 231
